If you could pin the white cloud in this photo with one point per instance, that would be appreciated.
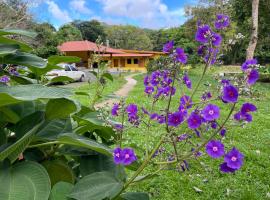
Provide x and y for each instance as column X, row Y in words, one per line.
column 57, row 13
column 79, row 5
column 151, row 13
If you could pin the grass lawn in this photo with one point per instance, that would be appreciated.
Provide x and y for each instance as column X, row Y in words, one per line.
column 251, row 182
column 110, row 88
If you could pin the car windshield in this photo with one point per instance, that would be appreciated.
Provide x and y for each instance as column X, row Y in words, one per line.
column 67, row 68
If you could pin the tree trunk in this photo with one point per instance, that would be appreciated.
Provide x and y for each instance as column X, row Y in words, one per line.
column 254, row 33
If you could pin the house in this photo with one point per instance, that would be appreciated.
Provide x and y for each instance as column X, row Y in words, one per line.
column 119, row 58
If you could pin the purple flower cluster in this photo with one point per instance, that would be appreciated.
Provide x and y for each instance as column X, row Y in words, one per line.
column 233, row 160
column 249, row 68
column 187, row 81
column 222, row 21
column 159, row 83
column 230, row 94
column 4, row 79
column 244, row 113
column 205, row 35
column 115, row 109
column 168, row 47
column 132, row 111
column 180, row 56
column 124, row 156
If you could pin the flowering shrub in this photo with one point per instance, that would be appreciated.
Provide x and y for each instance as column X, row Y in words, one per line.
column 203, row 120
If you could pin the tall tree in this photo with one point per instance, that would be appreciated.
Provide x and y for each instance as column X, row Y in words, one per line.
column 68, row 32
column 90, row 30
column 254, row 32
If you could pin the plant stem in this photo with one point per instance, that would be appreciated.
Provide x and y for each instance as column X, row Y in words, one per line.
column 43, row 144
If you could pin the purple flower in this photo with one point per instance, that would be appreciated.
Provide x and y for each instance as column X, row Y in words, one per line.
column 187, row 81
column 224, row 168
column 168, row 47
column 161, row 119
column 186, row 101
column 248, row 63
column 133, row 119
column 234, row 159
column 213, row 52
column 180, row 55
column 146, row 80
column 248, row 107
column 124, row 156
column 175, row 119
column 155, row 78
column 202, row 50
column 182, row 137
column 208, row 95
column 4, row 79
column 132, row 109
column 223, row 132
column 225, row 82
column 118, row 127
column 154, row 116
column 216, row 39
column 117, row 155
column 203, row 34
column 222, row 21
column 252, row 77
column 211, row 112
column 243, row 116
column 149, row 89
column 194, row 121
column 145, row 111
column 13, row 72
column 213, row 125
column 128, row 156
column 230, row 94
column 215, row 149
column 183, row 110
column 168, row 90
column 115, row 109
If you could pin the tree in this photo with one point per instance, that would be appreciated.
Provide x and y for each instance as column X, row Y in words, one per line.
column 90, row 30
column 68, row 32
column 254, row 32
column 128, row 37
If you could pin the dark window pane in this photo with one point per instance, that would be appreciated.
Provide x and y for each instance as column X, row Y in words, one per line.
column 67, row 68
column 129, row 61
column 136, row 61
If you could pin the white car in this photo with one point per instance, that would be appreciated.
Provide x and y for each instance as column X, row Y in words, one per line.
column 68, row 70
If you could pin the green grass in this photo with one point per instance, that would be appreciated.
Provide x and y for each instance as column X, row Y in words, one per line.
column 110, row 88
column 251, row 182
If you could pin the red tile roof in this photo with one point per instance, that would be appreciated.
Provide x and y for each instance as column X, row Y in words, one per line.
column 86, row 46
column 128, row 55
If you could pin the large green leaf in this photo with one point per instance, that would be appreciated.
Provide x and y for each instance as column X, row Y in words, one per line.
column 8, row 115
column 16, row 94
column 24, row 59
column 54, row 60
column 58, row 170
column 45, row 70
column 8, row 49
column 97, row 163
column 18, row 32
column 61, row 79
column 135, row 196
column 80, row 141
column 24, row 181
column 23, row 47
column 97, row 186
column 50, row 130
column 108, row 76
column 60, row 108
column 60, row 191
column 13, row 150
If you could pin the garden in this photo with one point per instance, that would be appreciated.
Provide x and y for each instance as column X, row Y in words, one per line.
column 191, row 127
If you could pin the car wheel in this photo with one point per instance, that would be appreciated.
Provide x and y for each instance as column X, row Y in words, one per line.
column 82, row 78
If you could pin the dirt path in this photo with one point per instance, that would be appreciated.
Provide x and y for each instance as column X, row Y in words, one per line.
column 122, row 92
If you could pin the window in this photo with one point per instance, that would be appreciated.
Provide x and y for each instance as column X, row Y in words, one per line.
column 73, row 68
column 67, row 68
column 136, row 61
column 129, row 61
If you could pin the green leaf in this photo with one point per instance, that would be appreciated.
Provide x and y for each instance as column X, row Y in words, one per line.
column 80, row 141
column 18, row 32
column 8, row 49
column 82, row 93
column 22, row 80
column 8, row 115
column 12, row 151
column 16, row 94
column 54, row 60
column 97, row 163
column 61, row 79
column 135, row 196
column 3, row 137
column 23, row 47
column 60, row 108
column 58, row 171
column 24, row 181
column 97, row 186
column 60, row 191
column 144, row 177
column 108, row 76
column 24, row 59
column 45, row 70
column 51, row 130
column 94, row 73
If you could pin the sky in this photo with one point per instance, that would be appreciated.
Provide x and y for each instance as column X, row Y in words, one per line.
column 152, row 14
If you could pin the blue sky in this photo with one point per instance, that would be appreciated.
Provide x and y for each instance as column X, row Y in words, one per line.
column 144, row 13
